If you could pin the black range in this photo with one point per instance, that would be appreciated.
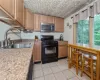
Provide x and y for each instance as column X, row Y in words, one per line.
column 49, row 49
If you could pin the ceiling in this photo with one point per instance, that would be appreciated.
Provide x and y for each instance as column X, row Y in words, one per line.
column 59, row 8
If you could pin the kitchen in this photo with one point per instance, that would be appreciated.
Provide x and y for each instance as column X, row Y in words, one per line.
column 36, row 38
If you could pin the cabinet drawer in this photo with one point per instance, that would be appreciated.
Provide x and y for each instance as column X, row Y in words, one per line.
column 62, row 43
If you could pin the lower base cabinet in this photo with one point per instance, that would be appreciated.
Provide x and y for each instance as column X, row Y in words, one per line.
column 37, row 51
column 62, row 49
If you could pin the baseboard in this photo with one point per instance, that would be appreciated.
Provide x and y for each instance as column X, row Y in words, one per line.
column 62, row 58
column 58, row 59
column 37, row 62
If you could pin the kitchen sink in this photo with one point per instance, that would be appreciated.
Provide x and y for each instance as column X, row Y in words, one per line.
column 22, row 45
column 19, row 45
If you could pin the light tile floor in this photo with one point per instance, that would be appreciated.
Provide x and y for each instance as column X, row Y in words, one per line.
column 56, row 71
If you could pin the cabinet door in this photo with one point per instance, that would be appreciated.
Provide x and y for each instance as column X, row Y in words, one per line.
column 9, row 6
column 36, row 22
column 44, row 19
column 62, row 51
column 37, row 51
column 50, row 19
column 59, row 24
column 29, row 20
column 19, row 11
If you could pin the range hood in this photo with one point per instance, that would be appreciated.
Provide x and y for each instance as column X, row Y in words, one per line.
column 6, row 18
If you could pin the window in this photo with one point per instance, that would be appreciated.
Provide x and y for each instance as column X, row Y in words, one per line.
column 97, row 30
column 82, row 32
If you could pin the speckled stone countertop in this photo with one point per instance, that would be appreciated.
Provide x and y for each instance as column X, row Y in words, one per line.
column 14, row 63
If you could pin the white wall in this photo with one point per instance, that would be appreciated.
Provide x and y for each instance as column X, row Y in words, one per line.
column 32, row 35
column 68, row 32
column 3, row 29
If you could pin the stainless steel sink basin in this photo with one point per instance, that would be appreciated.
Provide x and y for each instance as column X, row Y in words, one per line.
column 22, row 45
column 19, row 45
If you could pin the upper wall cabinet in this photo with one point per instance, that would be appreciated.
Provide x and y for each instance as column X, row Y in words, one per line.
column 14, row 9
column 29, row 20
column 9, row 6
column 50, row 19
column 43, row 19
column 47, row 19
column 36, row 22
column 59, row 24
column 19, row 11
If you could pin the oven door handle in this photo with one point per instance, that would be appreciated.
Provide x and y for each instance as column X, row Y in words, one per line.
column 49, row 46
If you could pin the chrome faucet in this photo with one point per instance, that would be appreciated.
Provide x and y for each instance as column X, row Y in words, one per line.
column 7, row 41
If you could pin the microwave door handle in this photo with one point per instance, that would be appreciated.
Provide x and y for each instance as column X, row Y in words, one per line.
column 51, row 28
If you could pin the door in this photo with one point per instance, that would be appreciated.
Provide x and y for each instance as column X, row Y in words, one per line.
column 19, row 11
column 29, row 20
column 47, row 19
column 50, row 19
column 62, row 50
column 47, row 50
column 37, row 51
column 44, row 19
column 59, row 24
column 9, row 6
column 36, row 22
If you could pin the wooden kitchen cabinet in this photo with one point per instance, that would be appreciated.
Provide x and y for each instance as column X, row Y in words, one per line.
column 36, row 22
column 50, row 19
column 47, row 19
column 43, row 19
column 62, row 49
column 9, row 6
column 29, row 20
column 14, row 9
column 19, row 11
column 59, row 24
column 37, row 51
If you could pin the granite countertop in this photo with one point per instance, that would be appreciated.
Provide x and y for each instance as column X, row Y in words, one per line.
column 14, row 63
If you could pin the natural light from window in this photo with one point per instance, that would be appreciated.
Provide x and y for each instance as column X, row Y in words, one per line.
column 97, row 30
column 82, row 32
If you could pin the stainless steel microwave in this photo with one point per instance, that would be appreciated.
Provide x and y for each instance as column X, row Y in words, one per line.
column 46, row 27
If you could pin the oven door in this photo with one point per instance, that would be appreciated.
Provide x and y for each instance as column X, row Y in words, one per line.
column 49, row 53
column 50, row 50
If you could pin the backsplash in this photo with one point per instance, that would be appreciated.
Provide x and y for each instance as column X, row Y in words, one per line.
column 32, row 35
